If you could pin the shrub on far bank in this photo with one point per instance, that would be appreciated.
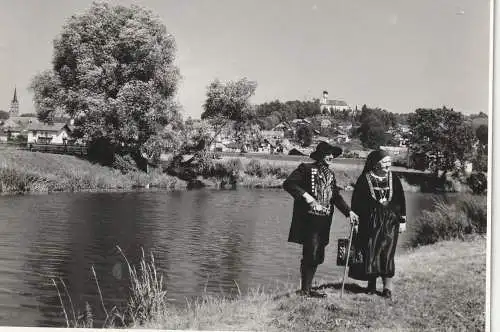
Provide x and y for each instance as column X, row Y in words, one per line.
column 478, row 183
column 265, row 169
column 451, row 221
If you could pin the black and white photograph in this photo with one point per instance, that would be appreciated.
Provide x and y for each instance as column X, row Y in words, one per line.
column 231, row 165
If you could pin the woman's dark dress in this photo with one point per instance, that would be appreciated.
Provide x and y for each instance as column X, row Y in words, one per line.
column 378, row 229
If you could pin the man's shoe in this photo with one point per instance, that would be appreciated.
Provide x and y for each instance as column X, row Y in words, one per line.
column 311, row 293
column 316, row 294
column 387, row 293
column 371, row 291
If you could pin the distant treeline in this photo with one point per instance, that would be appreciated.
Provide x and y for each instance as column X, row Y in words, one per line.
column 270, row 114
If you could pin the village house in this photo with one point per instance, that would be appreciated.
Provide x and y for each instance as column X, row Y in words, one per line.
column 272, row 134
column 4, row 135
column 325, row 123
column 299, row 122
column 346, row 127
column 44, row 133
column 282, row 126
column 12, row 128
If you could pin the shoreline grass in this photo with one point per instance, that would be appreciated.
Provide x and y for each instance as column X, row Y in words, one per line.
column 465, row 217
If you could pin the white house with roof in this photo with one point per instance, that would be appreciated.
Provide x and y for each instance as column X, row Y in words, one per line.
column 326, row 123
column 333, row 105
column 44, row 133
column 298, row 122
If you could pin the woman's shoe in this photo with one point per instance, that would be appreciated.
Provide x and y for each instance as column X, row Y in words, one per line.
column 387, row 293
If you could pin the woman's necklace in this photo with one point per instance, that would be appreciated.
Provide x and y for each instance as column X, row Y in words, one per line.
column 383, row 193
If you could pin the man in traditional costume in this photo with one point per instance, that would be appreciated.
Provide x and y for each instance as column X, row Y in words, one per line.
column 315, row 192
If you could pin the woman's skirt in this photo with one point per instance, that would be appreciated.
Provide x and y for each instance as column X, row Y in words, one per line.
column 377, row 243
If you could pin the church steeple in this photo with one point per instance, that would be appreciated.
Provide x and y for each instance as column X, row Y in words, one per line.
column 14, row 105
column 14, row 100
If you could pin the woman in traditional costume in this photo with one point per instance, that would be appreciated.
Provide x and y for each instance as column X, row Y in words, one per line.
column 379, row 201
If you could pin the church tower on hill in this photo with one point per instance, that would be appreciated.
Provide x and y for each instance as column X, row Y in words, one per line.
column 14, row 105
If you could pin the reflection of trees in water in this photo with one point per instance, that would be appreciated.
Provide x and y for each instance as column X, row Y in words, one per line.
column 49, row 243
column 96, row 224
column 202, row 239
column 228, row 236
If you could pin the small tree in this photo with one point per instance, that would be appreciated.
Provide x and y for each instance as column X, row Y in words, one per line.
column 229, row 103
column 482, row 134
column 229, row 100
column 304, row 136
column 372, row 132
column 442, row 134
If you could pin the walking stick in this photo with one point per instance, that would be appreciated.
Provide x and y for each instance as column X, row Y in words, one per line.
column 347, row 260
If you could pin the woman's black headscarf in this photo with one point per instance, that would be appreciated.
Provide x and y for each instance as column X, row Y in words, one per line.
column 373, row 158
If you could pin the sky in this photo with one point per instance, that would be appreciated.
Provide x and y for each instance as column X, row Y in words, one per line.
column 395, row 54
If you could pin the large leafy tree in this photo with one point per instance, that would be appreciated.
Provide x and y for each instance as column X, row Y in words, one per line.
column 442, row 134
column 114, row 74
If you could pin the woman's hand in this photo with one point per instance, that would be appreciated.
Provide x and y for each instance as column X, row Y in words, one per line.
column 402, row 224
column 354, row 219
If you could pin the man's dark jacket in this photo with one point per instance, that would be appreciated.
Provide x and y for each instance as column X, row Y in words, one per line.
column 298, row 182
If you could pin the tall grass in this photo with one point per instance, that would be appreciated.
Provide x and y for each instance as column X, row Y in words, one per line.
column 451, row 221
column 147, row 298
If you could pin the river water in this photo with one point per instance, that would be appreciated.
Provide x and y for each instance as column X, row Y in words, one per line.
column 203, row 241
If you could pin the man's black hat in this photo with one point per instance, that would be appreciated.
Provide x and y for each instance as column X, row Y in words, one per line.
column 323, row 149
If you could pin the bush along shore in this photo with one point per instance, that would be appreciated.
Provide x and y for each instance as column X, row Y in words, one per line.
column 438, row 286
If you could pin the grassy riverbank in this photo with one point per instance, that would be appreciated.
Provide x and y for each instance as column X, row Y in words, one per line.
column 440, row 286
column 436, row 287
column 36, row 172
